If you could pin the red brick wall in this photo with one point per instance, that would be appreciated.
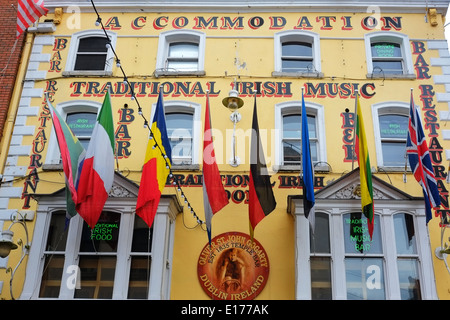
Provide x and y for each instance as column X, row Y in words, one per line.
column 9, row 56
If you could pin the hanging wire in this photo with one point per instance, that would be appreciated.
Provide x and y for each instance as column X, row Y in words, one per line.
column 175, row 183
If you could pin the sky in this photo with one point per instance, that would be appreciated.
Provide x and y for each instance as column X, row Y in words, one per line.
column 447, row 28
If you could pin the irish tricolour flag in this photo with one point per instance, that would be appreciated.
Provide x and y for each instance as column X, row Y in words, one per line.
column 97, row 174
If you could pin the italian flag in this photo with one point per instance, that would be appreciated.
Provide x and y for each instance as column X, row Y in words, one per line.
column 365, row 173
column 97, row 174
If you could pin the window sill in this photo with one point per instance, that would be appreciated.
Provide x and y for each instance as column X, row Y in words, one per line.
column 318, row 75
column 393, row 169
column 297, row 168
column 185, row 167
column 408, row 76
column 87, row 73
column 179, row 73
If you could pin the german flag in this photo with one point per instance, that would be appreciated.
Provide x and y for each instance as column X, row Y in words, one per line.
column 261, row 198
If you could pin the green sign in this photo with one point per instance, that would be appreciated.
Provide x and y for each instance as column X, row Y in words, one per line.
column 104, row 231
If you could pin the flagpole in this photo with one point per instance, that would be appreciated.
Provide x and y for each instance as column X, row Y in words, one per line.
column 406, row 146
column 301, row 149
column 354, row 129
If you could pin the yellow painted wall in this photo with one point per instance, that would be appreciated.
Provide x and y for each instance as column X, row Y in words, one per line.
column 343, row 61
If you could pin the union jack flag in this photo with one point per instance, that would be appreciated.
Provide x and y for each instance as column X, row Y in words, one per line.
column 420, row 160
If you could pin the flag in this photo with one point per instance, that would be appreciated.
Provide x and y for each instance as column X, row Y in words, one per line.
column 72, row 156
column 308, row 171
column 214, row 195
column 97, row 174
column 157, row 163
column 420, row 160
column 261, row 198
column 365, row 173
column 28, row 12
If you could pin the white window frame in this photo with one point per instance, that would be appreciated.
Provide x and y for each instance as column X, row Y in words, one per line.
column 338, row 200
column 393, row 37
column 53, row 156
column 172, row 36
column 294, row 107
column 385, row 108
column 175, row 106
column 73, row 50
column 161, row 251
column 297, row 36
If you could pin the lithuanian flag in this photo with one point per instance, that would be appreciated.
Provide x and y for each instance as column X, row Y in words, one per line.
column 364, row 168
column 157, row 163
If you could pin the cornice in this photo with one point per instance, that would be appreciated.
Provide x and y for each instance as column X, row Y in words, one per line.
column 412, row 6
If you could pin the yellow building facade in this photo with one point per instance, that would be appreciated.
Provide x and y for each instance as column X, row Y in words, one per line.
column 271, row 54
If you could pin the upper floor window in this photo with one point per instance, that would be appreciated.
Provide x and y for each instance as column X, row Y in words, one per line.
column 181, row 52
column 388, row 55
column 292, row 143
column 82, row 124
column 391, row 129
column 90, row 53
column 297, row 53
column 288, row 128
column 183, row 130
column 183, row 56
column 81, row 117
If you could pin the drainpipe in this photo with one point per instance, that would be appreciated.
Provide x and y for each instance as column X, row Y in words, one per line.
column 14, row 103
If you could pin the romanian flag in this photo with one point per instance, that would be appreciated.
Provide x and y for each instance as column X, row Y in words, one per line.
column 28, row 12
column 214, row 195
column 97, row 174
column 308, row 171
column 157, row 163
column 72, row 156
column 365, row 172
column 261, row 198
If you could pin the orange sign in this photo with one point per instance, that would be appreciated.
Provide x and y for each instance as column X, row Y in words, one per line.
column 233, row 268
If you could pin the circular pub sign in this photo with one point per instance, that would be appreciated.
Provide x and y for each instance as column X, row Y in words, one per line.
column 234, row 267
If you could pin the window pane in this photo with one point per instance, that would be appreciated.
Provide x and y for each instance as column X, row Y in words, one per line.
column 320, row 241
column 183, row 50
column 388, row 67
column 393, row 153
column 90, row 62
column 292, row 151
column 81, row 123
column 57, row 233
column 393, row 126
column 297, row 65
column 409, row 279
column 404, row 234
column 292, row 126
column 179, row 130
column 105, row 235
column 356, row 234
column 142, row 236
column 97, row 277
column 92, row 44
column 386, row 50
column 364, row 278
column 296, row 49
column 139, row 277
column 51, row 279
column 182, row 65
column 321, row 278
